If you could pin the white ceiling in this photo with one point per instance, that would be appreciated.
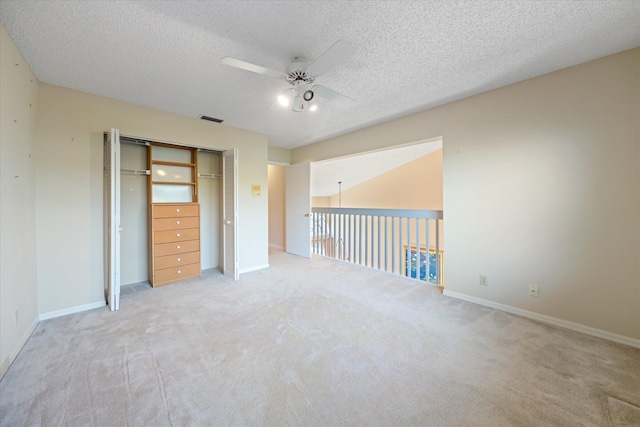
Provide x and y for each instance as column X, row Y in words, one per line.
column 354, row 170
column 410, row 55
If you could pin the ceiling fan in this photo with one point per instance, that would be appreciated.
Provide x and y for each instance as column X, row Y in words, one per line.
column 301, row 75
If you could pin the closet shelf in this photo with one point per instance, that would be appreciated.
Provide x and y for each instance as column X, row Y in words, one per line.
column 167, row 163
column 173, row 183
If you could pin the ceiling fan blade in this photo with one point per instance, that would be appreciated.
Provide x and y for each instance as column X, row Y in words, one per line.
column 339, row 52
column 333, row 96
column 232, row 62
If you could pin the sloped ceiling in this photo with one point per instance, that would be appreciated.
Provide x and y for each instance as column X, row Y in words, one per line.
column 410, row 55
column 354, row 170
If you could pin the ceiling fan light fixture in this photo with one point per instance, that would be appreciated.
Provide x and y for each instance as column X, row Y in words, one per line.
column 301, row 75
column 308, row 95
column 297, row 104
column 283, row 100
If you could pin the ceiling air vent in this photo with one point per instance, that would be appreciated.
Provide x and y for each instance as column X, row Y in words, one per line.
column 211, row 119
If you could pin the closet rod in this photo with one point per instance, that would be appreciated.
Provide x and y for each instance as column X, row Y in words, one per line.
column 206, row 150
column 135, row 171
column 209, row 175
column 133, row 141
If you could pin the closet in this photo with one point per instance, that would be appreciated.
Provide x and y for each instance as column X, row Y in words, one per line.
column 174, row 214
column 170, row 211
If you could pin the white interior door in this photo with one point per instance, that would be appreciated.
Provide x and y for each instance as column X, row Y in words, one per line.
column 230, row 213
column 298, row 209
column 112, row 210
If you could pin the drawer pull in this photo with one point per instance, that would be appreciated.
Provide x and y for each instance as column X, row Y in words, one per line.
column 178, row 259
column 179, row 271
column 178, row 246
column 177, row 210
column 178, row 222
column 177, row 234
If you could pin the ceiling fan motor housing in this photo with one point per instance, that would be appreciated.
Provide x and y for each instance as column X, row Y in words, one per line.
column 297, row 72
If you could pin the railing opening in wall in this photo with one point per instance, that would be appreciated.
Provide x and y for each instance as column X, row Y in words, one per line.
column 400, row 241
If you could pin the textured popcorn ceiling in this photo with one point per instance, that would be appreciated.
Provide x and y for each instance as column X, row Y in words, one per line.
column 410, row 55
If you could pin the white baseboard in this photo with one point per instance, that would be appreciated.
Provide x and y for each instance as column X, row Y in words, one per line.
column 632, row 342
column 257, row 267
column 72, row 310
column 16, row 350
column 276, row 247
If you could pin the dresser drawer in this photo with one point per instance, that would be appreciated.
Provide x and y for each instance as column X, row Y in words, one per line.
column 176, row 235
column 178, row 223
column 174, row 274
column 167, row 261
column 169, row 211
column 176, row 248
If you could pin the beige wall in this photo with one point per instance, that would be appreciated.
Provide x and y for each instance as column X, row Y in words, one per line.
column 279, row 156
column 321, row 202
column 541, row 185
column 414, row 185
column 69, row 214
column 276, row 206
column 18, row 281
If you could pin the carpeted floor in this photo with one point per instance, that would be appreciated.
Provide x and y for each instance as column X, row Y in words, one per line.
column 314, row 343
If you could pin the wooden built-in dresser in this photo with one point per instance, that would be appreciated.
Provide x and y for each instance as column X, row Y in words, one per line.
column 174, row 214
column 175, row 242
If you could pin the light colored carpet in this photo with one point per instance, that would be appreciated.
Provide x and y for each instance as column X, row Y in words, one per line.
column 314, row 343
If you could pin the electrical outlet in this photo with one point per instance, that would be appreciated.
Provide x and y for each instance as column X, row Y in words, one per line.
column 483, row 280
column 15, row 319
column 533, row 290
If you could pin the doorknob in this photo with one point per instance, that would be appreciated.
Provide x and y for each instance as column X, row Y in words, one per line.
column 307, row 215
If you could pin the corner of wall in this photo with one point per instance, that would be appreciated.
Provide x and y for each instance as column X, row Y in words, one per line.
column 18, row 267
column 6, row 363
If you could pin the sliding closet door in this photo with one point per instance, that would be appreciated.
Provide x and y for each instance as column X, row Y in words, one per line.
column 112, row 214
column 230, row 213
